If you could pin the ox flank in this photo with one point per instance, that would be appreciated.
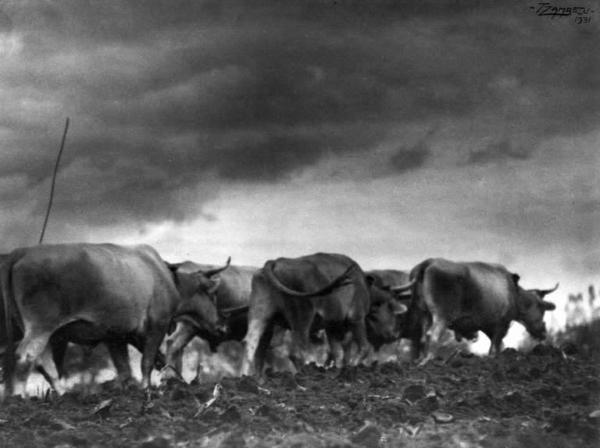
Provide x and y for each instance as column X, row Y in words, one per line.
column 90, row 293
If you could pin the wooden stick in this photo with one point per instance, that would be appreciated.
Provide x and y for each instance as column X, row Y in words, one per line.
column 60, row 151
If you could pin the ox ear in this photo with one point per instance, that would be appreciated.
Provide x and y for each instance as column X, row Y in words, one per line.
column 399, row 308
column 516, row 278
column 548, row 306
column 370, row 279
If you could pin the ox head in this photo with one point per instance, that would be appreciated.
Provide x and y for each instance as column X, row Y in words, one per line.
column 531, row 307
column 197, row 289
column 384, row 318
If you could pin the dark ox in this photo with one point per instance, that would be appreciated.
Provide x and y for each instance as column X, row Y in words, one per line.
column 389, row 304
column 227, row 320
column 472, row 297
column 91, row 293
column 322, row 290
column 393, row 283
column 389, row 289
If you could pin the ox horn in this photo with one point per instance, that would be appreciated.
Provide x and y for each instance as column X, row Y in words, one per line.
column 234, row 310
column 545, row 292
column 405, row 287
column 215, row 271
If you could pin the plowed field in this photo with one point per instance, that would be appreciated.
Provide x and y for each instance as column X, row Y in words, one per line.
column 541, row 399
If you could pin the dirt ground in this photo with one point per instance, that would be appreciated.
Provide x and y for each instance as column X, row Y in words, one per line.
column 541, row 399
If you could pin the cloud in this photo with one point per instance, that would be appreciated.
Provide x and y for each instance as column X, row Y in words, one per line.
column 500, row 151
column 407, row 159
column 548, row 214
column 263, row 160
column 169, row 105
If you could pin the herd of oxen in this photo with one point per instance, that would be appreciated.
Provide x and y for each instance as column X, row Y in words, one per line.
column 53, row 295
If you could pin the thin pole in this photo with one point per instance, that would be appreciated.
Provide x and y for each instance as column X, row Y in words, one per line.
column 60, row 151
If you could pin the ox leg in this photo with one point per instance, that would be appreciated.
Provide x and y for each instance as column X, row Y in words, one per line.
column 29, row 350
column 359, row 335
column 120, row 357
column 300, row 324
column 419, row 325
column 496, row 340
column 261, row 313
column 44, row 366
column 263, row 346
column 176, row 342
column 336, row 351
column 433, row 337
column 154, row 337
column 496, row 346
column 161, row 361
column 299, row 349
column 49, row 379
column 417, row 346
column 256, row 329
column 59, row 350
column 139, row 342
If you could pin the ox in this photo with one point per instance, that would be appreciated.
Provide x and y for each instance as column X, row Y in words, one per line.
column 319, row 290
column 231, row 296
column 392, row 289
column 91, row 293
column 230, row 292
column 416, row 318
column 474, row 296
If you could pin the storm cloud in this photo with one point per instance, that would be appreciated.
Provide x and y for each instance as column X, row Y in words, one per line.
column 499, row 152
column 173, row 104
column 406, row 159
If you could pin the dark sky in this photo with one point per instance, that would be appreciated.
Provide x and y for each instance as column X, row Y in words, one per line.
column 391, row 131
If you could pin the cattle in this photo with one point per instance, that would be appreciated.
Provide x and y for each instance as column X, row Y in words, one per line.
column 231, row 297
column 468, row 297
column 230, row 292
column 328, row 290
column 417, row 316
column 389, row 289
column 91, row 293
column 389, row 304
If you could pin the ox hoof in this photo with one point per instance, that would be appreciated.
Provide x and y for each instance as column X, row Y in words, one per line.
column 169, row 376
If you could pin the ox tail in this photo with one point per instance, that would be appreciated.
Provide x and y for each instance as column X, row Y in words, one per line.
column 8, row 300
column 419, row 315
column 418, row 272
column 335, row 283
column 416, row 277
